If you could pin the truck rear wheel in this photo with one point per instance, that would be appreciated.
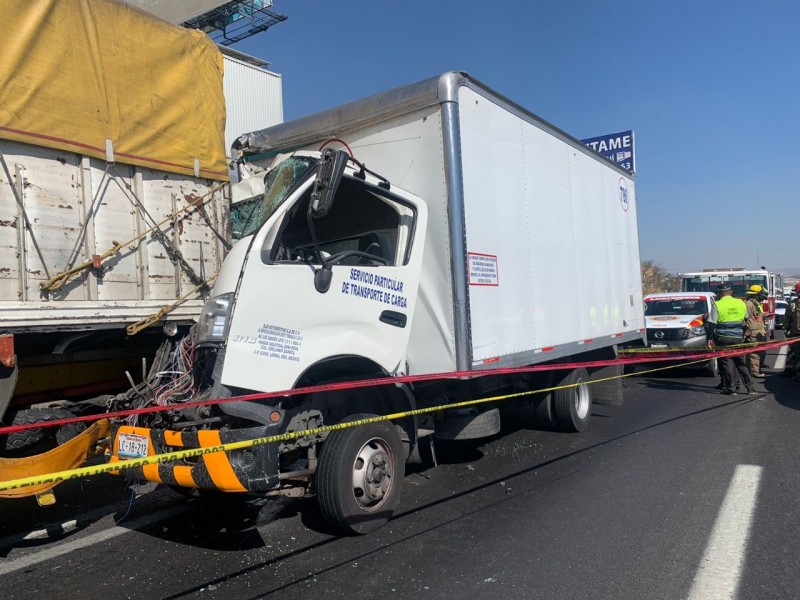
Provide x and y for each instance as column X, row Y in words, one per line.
column 360, row 476
column 572, row 406
column 470, row 424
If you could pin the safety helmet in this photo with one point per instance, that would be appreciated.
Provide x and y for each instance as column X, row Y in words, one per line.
column 755, row 290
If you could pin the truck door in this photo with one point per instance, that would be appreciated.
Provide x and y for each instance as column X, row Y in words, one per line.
column 371, row 240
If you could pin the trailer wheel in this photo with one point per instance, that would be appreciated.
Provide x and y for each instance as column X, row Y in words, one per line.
column 360, row 476
column 22, row 441
column 543, row 411
column 711, row 368
column 470, row 424
column 572, row 406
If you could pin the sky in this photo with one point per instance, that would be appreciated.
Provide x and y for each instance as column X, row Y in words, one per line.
column 711, row 89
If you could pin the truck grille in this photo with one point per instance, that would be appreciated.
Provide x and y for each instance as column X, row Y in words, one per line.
column 669, row 334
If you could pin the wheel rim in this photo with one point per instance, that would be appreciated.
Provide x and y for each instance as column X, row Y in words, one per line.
column 582, row 400
column 373, row 474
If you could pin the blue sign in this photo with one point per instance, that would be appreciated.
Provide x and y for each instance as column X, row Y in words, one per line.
column 618, row 147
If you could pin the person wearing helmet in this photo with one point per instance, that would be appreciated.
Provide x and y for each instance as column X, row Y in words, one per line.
column 791, row 326
column 754, row 330
column 729, row 331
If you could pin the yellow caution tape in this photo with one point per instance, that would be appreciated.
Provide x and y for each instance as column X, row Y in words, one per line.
column 54, row 478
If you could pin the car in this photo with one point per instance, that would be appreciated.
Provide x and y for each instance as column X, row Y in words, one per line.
column 780, row 309
column 678, row 320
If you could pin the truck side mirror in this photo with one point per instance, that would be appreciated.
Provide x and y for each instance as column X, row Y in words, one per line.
column 322, row 279
column 329, row 175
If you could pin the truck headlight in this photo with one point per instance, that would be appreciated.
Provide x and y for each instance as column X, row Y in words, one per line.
column 695, row 331
column 215, row 318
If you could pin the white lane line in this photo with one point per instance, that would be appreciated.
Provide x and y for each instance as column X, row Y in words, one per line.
column 58, row 529
column 721, row 567
column 23, row 562
column 63, row 528
column 780, row 362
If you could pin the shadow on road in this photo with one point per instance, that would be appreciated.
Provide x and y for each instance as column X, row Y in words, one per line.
column 669, row 383
column 785, row 390
column 24, row 524
column 221, row 522
column 312, row 520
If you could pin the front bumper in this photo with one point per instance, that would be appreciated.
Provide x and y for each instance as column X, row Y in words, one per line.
column 698, row 343
column 253, row 469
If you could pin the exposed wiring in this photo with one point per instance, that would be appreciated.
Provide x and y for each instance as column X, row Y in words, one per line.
column 175, row 383
column 130, row 504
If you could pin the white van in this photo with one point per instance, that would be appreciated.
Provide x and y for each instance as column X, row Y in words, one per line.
column 678, row 320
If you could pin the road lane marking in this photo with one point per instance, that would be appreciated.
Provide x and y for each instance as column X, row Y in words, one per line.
column 24, row 562
column 780, row 362
column 52, row 530
column 721, row 566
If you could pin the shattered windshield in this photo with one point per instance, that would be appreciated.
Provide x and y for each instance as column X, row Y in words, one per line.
column 248, row 216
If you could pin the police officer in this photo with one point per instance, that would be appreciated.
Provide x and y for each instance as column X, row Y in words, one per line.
column 791, row 327
column 729, row 331
column 754, row 329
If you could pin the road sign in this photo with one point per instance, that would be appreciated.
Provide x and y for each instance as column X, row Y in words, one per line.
column 618, row 147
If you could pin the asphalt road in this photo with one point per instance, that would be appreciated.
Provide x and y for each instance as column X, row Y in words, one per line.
column 680, row 493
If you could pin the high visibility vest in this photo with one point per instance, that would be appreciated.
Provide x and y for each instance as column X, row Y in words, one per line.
column 731, row 310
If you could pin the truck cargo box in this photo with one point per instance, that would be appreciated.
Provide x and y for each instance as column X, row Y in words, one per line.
column 111, row 120
column 112, row 82
column 532, row 248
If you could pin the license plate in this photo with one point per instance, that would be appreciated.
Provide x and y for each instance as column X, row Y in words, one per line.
column 132, row 445
column 658, row 345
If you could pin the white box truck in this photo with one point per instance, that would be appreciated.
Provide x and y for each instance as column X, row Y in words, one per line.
column 436, row 227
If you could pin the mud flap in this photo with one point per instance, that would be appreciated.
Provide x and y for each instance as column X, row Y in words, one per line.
column 8, row 383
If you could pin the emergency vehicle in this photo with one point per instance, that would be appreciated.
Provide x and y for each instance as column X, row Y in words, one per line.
column 709, row 280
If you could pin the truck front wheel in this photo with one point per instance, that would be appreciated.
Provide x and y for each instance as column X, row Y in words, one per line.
column 360, row 476
column 572, row 406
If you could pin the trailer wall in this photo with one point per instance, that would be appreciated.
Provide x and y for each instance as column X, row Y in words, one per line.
column 59, row 209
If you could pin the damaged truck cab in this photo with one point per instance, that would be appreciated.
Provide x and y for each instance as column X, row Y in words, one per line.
column 332, row 265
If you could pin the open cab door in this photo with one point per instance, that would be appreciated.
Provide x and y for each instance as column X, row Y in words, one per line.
column 332, row 274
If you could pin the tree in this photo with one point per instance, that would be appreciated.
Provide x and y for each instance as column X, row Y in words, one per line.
column 656, row 279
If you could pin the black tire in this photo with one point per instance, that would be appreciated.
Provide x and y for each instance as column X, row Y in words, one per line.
column 572, row 406
column 711, row 368
column 471, row 425
column 371, row 454
column 543, row 411
column 22, row 440
column 606, row 386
